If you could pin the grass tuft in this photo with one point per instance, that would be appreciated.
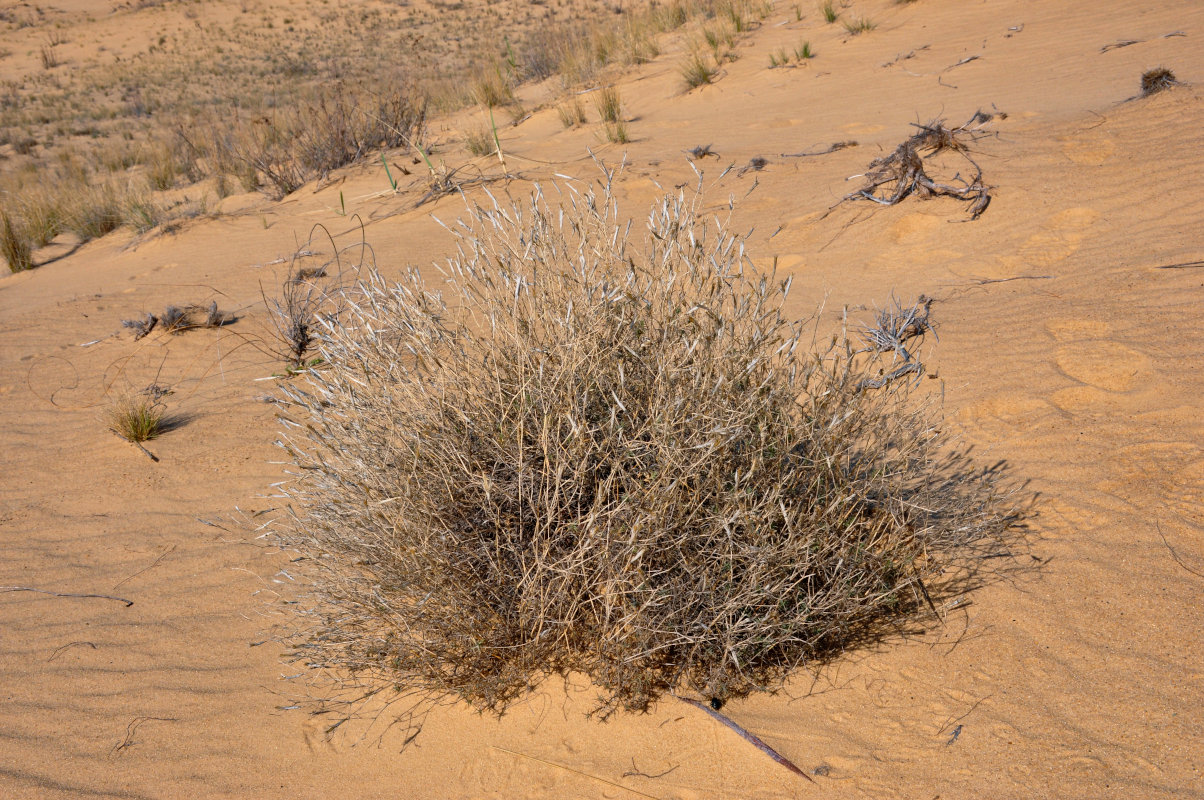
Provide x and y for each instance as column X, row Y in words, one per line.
column 15, row 244
column 41, row 211
column 698, row 69
column 859, row 25
column 93, row 211
column 136, row 418
column 608, row 104
column 479, row 141
column 615, row 132
column 141, row 326
column 571, row 112
column 492, row 89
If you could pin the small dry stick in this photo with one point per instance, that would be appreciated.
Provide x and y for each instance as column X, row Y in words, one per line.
column 1175, row 555
column 637, row 772
column 58, row 650
column 965, row 60
column 832, row 148
column 153, row 564
column 132, row 728
column 985, row 281
column 128, row 603
column 149, row 454
column 749, row 737
column 577, row 771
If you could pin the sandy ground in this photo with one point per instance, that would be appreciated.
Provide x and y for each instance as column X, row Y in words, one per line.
column 1066, row 349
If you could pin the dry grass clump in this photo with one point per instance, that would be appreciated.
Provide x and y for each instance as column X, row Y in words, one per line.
column 90, row 212
column 859, row 25
column 571, row 112
column 141, row 326
column 311, row 296
column 15, row 244
column 698, row 69
column 616, row 132
column 136, row 418
column 1157, row 80
column 41, row 211
column 178, row 319
column 479, row 141
column 609, row 104
column 493, row 89
column 610, row 457
column 577, row 52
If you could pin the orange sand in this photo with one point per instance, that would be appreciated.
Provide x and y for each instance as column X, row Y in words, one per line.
column 1080, row 677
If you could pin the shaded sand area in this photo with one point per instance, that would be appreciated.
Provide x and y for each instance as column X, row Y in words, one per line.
column 1069, row 346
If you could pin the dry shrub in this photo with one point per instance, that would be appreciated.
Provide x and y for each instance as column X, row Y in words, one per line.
column 312, row 295
column 607, row 457
column 1157, row 80
column 907, row 170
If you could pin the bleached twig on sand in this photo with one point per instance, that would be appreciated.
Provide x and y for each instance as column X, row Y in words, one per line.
column 749, row 737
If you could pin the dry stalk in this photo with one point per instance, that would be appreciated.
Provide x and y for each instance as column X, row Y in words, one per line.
column 311, row 295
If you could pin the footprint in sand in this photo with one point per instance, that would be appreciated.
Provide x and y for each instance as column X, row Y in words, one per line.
column 1058, row 240
column 1164, row 475
column 915, row 232
column 861, row 128
column 773, row 124
column 1103, row 368
column 1110, row 366
column 1090, row 151
column 915, row 228
column 1003, row 414
column 1075, row 330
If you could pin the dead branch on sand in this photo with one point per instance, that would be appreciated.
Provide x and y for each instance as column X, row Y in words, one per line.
column 892, row 328
column 904, row 172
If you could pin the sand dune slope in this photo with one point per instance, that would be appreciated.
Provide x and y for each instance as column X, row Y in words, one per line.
column 1069, row 347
